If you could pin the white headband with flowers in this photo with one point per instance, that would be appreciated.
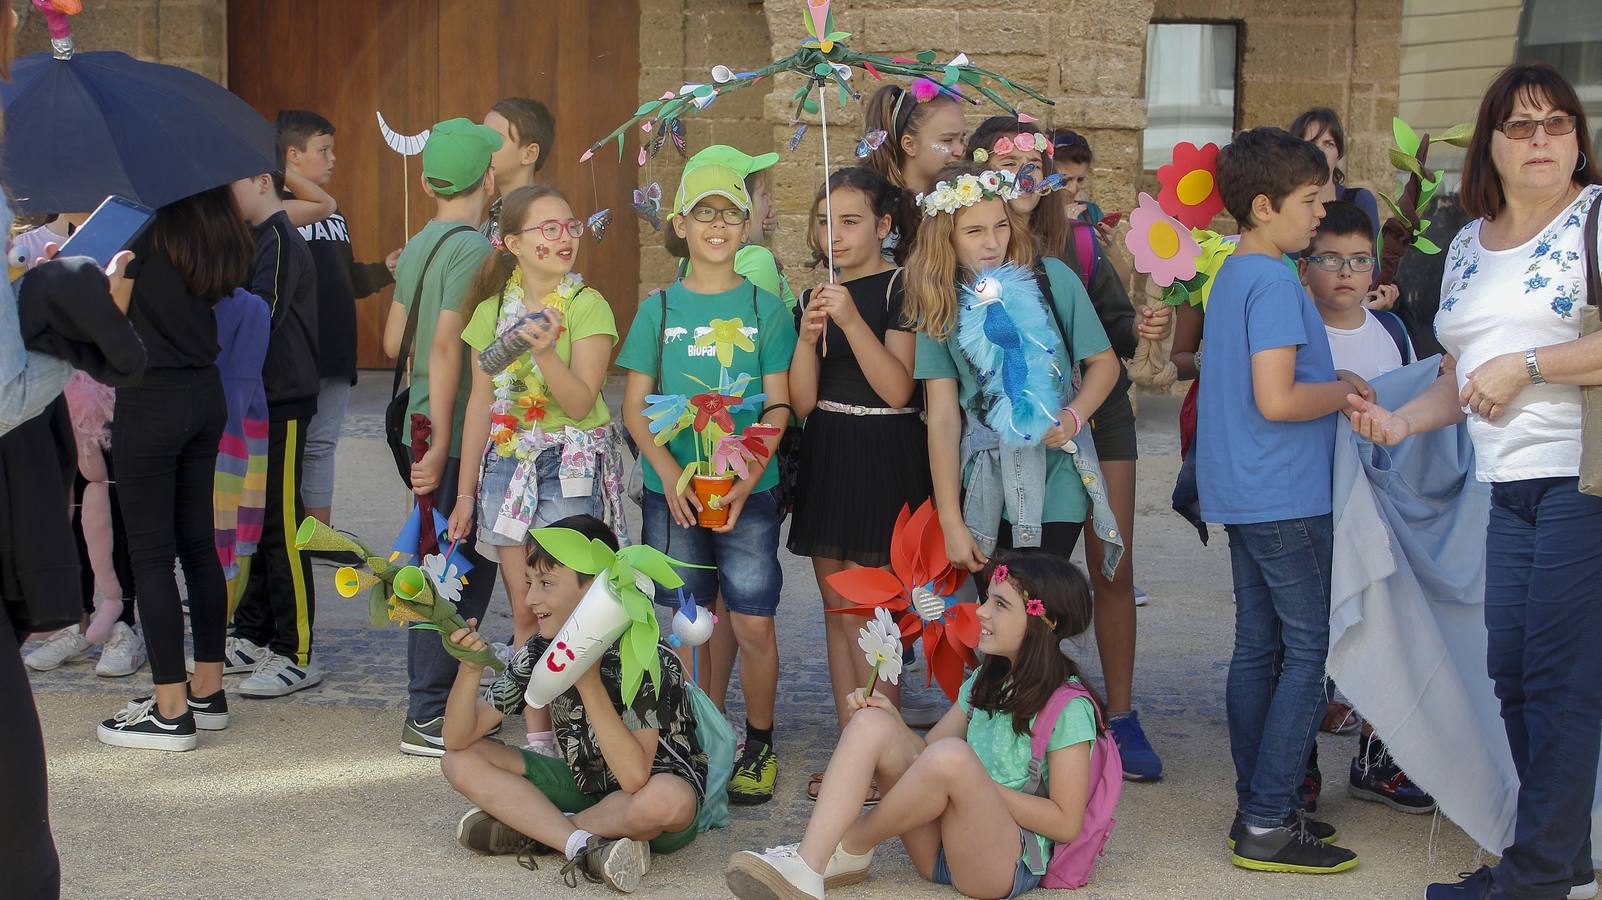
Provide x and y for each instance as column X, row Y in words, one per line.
column 950, row 196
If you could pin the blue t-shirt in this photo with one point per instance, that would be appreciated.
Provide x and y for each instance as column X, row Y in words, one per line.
column 1249, row 469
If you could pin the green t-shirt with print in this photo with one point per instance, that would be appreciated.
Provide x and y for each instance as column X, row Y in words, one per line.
column 690, row 353
column 1066, row 500
column 588, row 314
column 1006, row 753
column 444, row 287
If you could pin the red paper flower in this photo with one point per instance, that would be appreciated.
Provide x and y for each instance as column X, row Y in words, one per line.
column 918, row 590
column 713, row 407
column 1190, row 185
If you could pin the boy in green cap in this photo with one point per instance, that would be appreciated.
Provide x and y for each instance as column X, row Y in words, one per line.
column 754, row 260
column 434, row 273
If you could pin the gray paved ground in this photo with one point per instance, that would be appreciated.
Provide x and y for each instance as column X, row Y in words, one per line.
column 307, row 796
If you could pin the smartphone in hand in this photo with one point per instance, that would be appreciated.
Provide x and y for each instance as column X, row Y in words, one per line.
column 109, row 230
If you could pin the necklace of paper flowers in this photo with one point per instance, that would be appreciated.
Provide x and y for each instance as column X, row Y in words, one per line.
column 966, row 190
column 520, row 392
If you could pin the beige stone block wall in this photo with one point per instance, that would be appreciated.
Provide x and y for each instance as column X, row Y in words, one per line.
column 188, row 33
column 1451, row 50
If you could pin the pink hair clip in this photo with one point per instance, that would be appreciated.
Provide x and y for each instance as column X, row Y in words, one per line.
column 925, row 90
column 1034, row 607
column 999, row 575
column 497, row 243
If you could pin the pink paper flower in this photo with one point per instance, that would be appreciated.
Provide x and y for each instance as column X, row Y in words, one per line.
column 1162, row 246
column 1034, row 607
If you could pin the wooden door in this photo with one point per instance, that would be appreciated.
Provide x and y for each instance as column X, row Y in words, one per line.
column 421, row 61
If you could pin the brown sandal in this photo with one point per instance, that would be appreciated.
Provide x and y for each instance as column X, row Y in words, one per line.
column 815, row 784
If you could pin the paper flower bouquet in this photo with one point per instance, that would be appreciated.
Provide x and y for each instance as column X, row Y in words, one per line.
column 720, row 452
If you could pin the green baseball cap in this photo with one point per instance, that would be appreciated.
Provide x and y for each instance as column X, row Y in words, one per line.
column 707, row 180
column 742, row 163
column 457, row 154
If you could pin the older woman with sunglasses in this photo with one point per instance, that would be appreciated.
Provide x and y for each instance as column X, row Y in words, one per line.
column 1510, row 321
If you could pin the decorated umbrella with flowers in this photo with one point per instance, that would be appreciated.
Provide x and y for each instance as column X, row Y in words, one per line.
column 919, row 590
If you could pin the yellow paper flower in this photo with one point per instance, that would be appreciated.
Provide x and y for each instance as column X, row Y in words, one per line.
column 726, row 334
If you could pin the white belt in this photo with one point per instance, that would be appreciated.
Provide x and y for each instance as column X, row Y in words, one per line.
column 852, row 409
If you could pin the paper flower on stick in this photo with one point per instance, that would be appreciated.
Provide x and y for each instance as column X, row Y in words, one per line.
column 1190, row 185
column 738, row 451
column 820, row 25
column 880, row 641
column 919, row 591
column 1406, row 225
column 1162, row 246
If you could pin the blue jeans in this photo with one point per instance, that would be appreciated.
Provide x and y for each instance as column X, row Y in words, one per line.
column 496, row 477
column 747, row 572
column 322, row 437
column 1543, row 617
column 1023, row 880
column 1275, row 694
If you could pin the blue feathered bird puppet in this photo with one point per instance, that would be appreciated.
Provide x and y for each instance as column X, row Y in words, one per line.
column 1001, row 321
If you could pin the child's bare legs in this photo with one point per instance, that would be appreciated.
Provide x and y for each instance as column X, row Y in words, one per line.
column 1115, row 599
column 513, row 563
column 97, row 535
column 666, row 804
column 848, row 668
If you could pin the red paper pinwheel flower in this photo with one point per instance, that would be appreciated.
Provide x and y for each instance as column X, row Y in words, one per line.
column 1190, row 185
column 919, row 591
column 714, row 407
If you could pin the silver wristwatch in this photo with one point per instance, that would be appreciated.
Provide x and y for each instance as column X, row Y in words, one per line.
column 1532, row 367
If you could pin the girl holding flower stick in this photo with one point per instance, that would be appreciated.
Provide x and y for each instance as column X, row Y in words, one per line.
column 536, row 405
column 954, row 795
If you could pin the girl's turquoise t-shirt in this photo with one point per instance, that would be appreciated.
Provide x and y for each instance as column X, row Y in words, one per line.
column 1006, row 753
column 1066, row 500
column 690, row 355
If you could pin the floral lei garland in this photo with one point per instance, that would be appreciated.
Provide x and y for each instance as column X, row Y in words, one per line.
column 520, row 391
column 966, row 190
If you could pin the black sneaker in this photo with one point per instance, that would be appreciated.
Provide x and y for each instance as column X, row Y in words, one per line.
column 141, row 727
column 1322, row 830
column 1312, row 785
column 619, row 863
column 486, row 835
column 755, row 773
column 1290, row 848
column 1377, row 778
column 211, row 713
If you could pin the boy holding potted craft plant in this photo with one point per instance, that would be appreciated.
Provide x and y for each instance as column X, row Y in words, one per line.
column 708, row 357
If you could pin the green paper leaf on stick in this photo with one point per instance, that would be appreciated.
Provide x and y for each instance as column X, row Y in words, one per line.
column 1396, row 210
column 378, row 605
column 927, row 57
column 704, row 90
column 823, row 69
column 1406, row 138
column 838, row 36
column 1406, row 162
column 647, row 107
column 1424, row 245
column 1458, row 135
column 571, row 549
column 809, row 105
column 653, row 563
column 951, row 76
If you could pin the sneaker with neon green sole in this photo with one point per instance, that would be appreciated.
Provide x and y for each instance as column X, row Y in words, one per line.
column 755, row 773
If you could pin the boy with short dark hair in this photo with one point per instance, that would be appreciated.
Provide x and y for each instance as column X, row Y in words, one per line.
column 435, row 272
column 306, row 148
column 1338, row 270
column 273, row 624
column 1265, row 445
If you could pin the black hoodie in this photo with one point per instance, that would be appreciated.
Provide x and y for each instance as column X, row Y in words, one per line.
column 283, row 275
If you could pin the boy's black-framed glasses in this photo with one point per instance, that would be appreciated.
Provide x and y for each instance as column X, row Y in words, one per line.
column 732, row 215
column 1333, row 262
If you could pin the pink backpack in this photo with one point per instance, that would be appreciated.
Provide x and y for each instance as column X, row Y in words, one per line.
column 1072, row 863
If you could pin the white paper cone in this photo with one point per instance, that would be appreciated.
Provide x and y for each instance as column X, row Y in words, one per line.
column 595, row 625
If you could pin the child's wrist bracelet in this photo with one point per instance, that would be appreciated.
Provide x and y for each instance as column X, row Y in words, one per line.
column 1079, row 423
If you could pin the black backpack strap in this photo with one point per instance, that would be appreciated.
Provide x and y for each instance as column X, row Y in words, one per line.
column 1044, row 281
column 403, row 358
column 661, row 326
column 1593, row 276
column 1398, row 332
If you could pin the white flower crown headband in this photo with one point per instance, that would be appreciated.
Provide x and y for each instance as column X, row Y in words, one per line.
column 950, row 196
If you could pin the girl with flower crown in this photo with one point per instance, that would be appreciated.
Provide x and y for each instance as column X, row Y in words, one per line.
column 544, row 340
column 998, row 340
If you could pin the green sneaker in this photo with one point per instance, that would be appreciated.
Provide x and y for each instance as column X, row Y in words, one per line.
column 754, row 774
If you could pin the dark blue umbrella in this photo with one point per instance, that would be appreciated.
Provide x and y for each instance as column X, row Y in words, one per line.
column 105, row 123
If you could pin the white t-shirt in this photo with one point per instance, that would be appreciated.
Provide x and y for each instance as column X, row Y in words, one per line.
column 1507, row 301
column 1368, row 350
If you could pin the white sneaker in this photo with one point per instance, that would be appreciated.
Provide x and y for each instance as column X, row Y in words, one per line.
column 124, row 653
column 1140, row 597
column 778, row 873
column 65, row 646
column 277, row 676
column 846, row 868
column 1585, row 891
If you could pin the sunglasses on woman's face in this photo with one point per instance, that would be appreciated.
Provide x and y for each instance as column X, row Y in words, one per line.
column 551, row 229
column 1524, row 129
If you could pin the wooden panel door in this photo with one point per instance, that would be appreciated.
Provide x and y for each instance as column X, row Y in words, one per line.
column 421, row 61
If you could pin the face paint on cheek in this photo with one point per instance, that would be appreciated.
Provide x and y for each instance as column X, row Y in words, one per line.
column 541, row 251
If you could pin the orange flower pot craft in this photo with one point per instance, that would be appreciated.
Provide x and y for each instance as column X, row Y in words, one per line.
column 919, row 590
column 1190, row 185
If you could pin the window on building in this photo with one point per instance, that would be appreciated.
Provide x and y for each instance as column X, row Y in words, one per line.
column 1190, row 87
column 1567, row 34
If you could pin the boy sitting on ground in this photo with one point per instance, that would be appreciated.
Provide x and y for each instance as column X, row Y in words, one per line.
column 630, row 778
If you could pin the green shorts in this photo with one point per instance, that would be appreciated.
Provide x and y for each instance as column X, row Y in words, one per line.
column 552, row 776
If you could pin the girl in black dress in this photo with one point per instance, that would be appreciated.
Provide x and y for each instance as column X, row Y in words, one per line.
column 864, row 452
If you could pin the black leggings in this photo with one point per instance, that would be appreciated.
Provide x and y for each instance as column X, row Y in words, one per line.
column 164, row 440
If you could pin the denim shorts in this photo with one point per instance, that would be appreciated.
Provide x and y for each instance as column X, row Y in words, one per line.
column 747, row 570
column 497, row 475
column 1023, row 880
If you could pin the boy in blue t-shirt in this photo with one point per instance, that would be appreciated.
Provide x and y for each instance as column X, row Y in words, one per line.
column 1265, row 444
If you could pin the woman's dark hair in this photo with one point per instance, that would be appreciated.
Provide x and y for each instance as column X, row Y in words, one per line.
column 540, row 560
column 1322, row 120
column 531, row 123
column 1270, row 162
column 1069, row 146
column 498, row 266
column 883, row 200
column 1048, row 222
column 207, row 241
column 1482, row 196
column 1024, row 687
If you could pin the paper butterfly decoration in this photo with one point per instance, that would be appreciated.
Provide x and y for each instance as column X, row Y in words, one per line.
column 795, row 139
column 1026, row 178
column 598, row 222
column 404, row 144
column 675, row 131
column 870, row 142
column 648, row 203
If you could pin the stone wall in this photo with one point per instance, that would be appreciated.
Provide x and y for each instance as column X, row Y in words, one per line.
column 187, row 33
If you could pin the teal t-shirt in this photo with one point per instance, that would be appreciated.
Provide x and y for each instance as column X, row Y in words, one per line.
column 758, row 338
column 1006, row 753
column 1066, row 500
column 445, row 286
column 758, row 265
